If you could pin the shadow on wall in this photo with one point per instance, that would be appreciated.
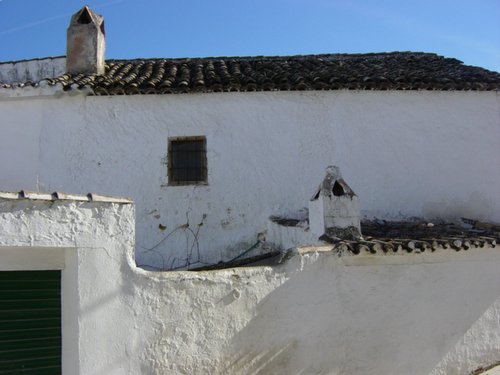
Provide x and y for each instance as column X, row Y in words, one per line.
column 377, row 319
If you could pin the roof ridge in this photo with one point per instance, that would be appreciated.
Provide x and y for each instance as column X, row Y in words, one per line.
column 280, row 57
column 33, row 59
column 60, row 196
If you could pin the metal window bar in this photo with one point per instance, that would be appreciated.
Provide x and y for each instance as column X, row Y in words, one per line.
column 187, row 161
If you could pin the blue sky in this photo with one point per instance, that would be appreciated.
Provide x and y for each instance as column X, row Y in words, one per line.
column 468, row 30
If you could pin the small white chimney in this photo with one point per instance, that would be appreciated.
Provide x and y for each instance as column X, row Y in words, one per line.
column 334, row 208
column 85, row 43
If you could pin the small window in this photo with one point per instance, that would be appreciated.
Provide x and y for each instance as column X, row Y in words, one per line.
column 187, row 161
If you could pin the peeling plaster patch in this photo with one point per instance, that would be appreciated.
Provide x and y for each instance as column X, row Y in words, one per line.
column 287, row 222
column 293, row 218
column 229, row 221
column 230, row 297
column 225, row 223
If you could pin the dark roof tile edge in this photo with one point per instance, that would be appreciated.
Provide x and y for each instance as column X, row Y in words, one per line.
column 415, row 246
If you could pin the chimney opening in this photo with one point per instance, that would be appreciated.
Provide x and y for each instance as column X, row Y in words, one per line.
column 338, row 190
column 84, row 18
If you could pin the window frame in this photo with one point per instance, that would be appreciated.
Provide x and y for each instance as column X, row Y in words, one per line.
column 203, row 161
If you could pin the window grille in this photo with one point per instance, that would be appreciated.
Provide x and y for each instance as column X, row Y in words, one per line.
column 187, row 161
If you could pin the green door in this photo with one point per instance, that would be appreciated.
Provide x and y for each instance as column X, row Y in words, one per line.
column 30, row 322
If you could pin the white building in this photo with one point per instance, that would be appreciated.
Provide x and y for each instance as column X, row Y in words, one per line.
column 415, row 135
column 221, row 157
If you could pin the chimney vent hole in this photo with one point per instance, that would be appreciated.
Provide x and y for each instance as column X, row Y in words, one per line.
column 84, row 18
column 338, row 190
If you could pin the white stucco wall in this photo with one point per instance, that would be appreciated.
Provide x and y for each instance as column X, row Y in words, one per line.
column 32, row 70
column 317, row 313
column 431, row 154
column 89, row 242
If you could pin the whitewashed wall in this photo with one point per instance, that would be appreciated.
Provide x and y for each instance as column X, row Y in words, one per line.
column 32, row 70
column 432, row 154
column 317, row 313
column 90, row 243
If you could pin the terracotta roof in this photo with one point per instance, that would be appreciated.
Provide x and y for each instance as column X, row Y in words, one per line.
column 375, row 71
column 393, row 237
